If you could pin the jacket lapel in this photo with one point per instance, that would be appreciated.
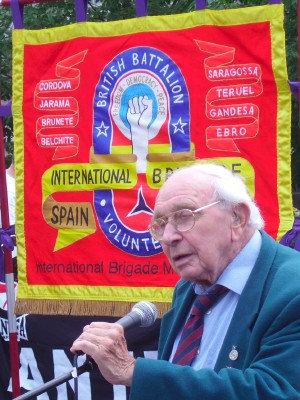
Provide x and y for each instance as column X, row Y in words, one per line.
column 175, row 318
column 240, row 329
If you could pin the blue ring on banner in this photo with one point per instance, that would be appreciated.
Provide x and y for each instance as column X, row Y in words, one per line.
column 151, row 60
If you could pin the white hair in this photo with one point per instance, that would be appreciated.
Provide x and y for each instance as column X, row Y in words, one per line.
column 229, row 187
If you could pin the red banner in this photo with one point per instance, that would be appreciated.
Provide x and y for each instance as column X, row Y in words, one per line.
column 104, row 111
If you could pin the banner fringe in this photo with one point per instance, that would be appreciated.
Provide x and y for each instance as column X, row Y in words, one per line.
column 80, row 308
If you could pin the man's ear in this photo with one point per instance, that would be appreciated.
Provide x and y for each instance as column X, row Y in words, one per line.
column 240, row 217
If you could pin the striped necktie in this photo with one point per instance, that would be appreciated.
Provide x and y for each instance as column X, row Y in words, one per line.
column 192, row 332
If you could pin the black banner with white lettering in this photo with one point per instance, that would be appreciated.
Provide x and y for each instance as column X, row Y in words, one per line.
column 44, row 355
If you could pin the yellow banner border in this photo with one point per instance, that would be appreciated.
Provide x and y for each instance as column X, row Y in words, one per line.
column 229, row 17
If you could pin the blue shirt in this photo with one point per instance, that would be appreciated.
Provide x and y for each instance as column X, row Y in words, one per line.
column 218, row 318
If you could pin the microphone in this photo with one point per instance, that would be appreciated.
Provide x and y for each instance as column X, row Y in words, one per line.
column 143, row 314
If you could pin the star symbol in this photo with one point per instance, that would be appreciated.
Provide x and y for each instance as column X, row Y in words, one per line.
column 102, row 129
column 179, row 126
column 141, row 205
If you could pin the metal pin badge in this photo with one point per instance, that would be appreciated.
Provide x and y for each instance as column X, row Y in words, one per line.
column 234, row 354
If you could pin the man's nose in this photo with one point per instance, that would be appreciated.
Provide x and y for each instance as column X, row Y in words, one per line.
column 171, row 234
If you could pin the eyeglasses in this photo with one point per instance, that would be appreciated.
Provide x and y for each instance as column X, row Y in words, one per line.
column 183, row 220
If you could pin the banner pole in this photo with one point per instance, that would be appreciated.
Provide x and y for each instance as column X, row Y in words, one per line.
column 9, row 274
column 141, row 8
column 81, row 10
column 17, row 11
column 200, row 4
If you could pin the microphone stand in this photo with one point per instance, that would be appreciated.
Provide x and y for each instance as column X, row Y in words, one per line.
column 88, row 366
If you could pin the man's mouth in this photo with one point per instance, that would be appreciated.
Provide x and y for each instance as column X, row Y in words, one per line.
column 181, row 258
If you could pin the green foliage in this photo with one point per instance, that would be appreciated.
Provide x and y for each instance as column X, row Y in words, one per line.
column 111, row 10
column 5, row 72
column 48, row 15
column 5, row 53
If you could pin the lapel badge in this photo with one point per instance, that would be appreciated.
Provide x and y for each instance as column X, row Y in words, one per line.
column 234, row 354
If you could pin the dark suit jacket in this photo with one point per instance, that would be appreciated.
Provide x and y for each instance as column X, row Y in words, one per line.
column 265, row 329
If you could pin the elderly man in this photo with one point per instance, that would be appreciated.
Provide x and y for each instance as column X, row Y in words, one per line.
column 233, row 331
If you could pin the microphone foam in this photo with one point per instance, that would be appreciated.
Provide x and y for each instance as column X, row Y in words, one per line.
column 147, row 312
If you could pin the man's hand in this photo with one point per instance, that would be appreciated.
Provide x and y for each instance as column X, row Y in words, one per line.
column 106, row 344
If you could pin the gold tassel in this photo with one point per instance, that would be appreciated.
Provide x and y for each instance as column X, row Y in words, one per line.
column 79, row 308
